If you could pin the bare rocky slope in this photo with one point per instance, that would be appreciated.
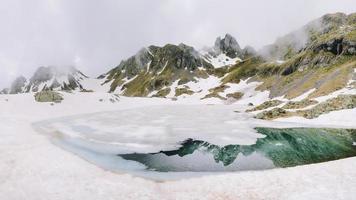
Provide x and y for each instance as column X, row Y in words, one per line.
column 319, row 55
column 153, row 68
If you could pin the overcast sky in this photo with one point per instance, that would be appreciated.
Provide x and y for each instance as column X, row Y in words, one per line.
column 95, row 35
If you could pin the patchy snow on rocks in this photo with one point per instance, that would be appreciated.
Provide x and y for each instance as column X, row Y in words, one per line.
column 221, row 60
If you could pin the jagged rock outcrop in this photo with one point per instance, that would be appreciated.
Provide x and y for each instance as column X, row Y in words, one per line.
column 227, row 45
column 337, row 46
column 226, row 52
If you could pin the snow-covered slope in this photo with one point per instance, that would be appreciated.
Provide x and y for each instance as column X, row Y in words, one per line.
column 220, row 60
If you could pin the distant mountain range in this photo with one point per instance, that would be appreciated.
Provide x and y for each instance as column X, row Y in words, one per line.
column 319, row 56
column 49, row 78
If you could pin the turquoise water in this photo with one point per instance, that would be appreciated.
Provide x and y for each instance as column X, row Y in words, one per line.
column 285, row 147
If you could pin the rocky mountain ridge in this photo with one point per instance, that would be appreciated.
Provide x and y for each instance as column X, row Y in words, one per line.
column 154, row 68
column 48, row 78
column 319, row 56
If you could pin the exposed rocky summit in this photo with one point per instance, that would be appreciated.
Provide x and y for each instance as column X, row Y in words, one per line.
column 155, row 59
column 227, row 45
column 154, row 67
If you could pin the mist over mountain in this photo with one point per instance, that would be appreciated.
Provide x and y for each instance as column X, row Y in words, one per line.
column 163, row 71
column 96, row 38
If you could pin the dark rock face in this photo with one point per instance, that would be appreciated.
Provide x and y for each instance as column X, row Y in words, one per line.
column 338, row 46
column 18, row 85
column 334, row 46
column 228, row 45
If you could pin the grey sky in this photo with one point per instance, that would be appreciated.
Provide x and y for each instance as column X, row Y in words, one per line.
column 95, row 35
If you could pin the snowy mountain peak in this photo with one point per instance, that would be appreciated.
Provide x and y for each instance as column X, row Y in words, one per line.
column 155, row 67
column 48, row 78
column 225, row 52
column 55, row 78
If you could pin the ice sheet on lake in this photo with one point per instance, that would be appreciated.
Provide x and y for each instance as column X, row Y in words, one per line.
column 155, row 128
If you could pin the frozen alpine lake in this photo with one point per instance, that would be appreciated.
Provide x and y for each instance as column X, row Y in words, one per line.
column 139, row 140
